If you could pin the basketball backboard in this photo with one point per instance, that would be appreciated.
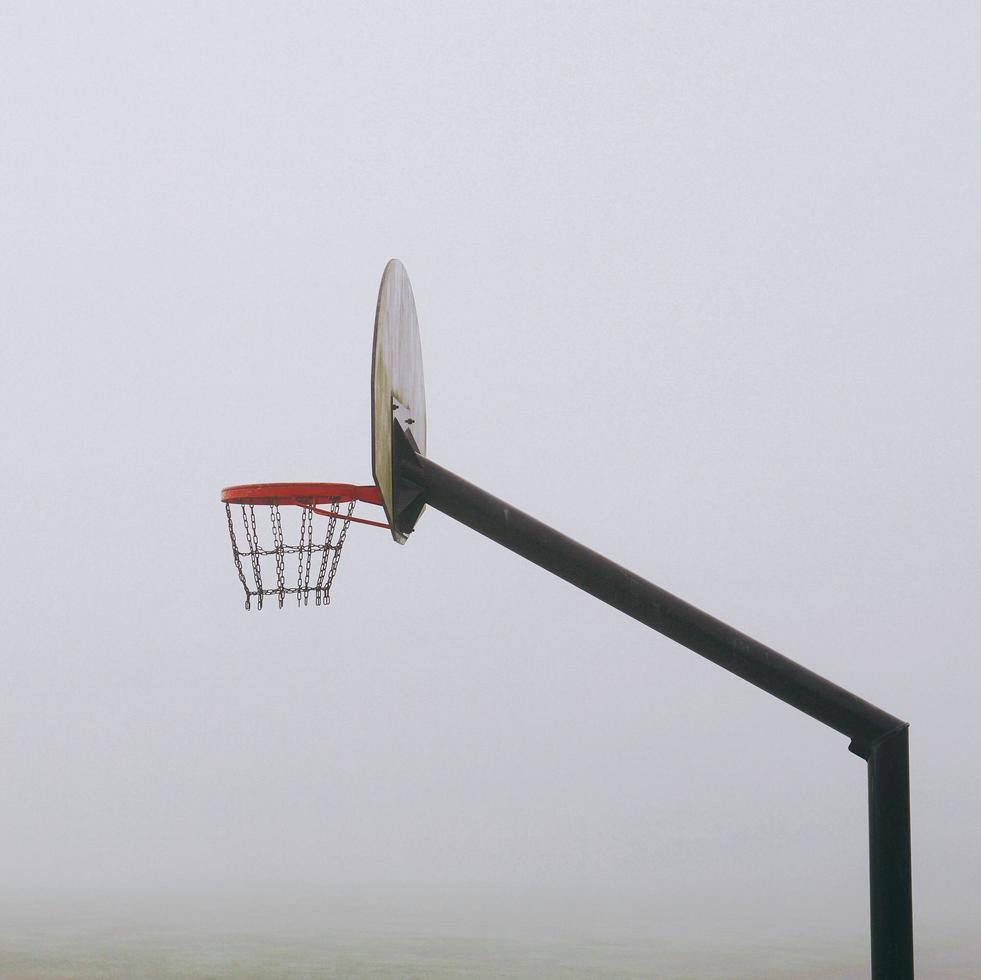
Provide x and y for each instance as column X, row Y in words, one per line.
column 398, row 393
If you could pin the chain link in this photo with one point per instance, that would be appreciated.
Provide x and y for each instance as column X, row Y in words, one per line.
column 328, row 544
column 306, row 572
column 277, row 526
column 306, row 522
column 238, row 557
column 252, row 536
column 337, row 552
column 330, row 552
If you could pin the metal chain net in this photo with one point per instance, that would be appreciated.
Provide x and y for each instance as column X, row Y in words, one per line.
column 309, row 544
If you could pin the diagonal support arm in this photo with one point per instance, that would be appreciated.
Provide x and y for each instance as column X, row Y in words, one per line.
column 876, row 736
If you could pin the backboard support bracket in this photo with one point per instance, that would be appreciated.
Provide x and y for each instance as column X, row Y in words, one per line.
column 410, row 497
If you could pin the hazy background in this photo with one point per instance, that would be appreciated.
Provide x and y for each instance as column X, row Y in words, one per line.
column 697, row 284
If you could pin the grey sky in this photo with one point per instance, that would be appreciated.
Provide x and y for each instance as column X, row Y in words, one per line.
column 697, row 284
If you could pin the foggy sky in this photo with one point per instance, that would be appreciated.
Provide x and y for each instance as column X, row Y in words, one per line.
column 697, row 285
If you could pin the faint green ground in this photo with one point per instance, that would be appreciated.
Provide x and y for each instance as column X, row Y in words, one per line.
column 100, row 953
column 144, row 954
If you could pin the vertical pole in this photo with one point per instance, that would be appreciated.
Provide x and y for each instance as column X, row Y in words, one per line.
column 890, row 873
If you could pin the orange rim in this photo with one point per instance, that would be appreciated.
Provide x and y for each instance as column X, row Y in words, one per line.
column 307, row 495
column 299, row 494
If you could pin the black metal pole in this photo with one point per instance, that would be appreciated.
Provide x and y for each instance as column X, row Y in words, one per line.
column 876, row 735
column 890, row 884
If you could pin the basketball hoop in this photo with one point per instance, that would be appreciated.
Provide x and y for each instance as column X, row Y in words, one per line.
column 316, row 505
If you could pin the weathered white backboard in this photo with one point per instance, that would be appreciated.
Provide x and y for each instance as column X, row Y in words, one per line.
column 397, row 388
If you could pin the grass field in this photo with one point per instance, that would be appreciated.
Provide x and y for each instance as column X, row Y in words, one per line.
column 96, row 948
